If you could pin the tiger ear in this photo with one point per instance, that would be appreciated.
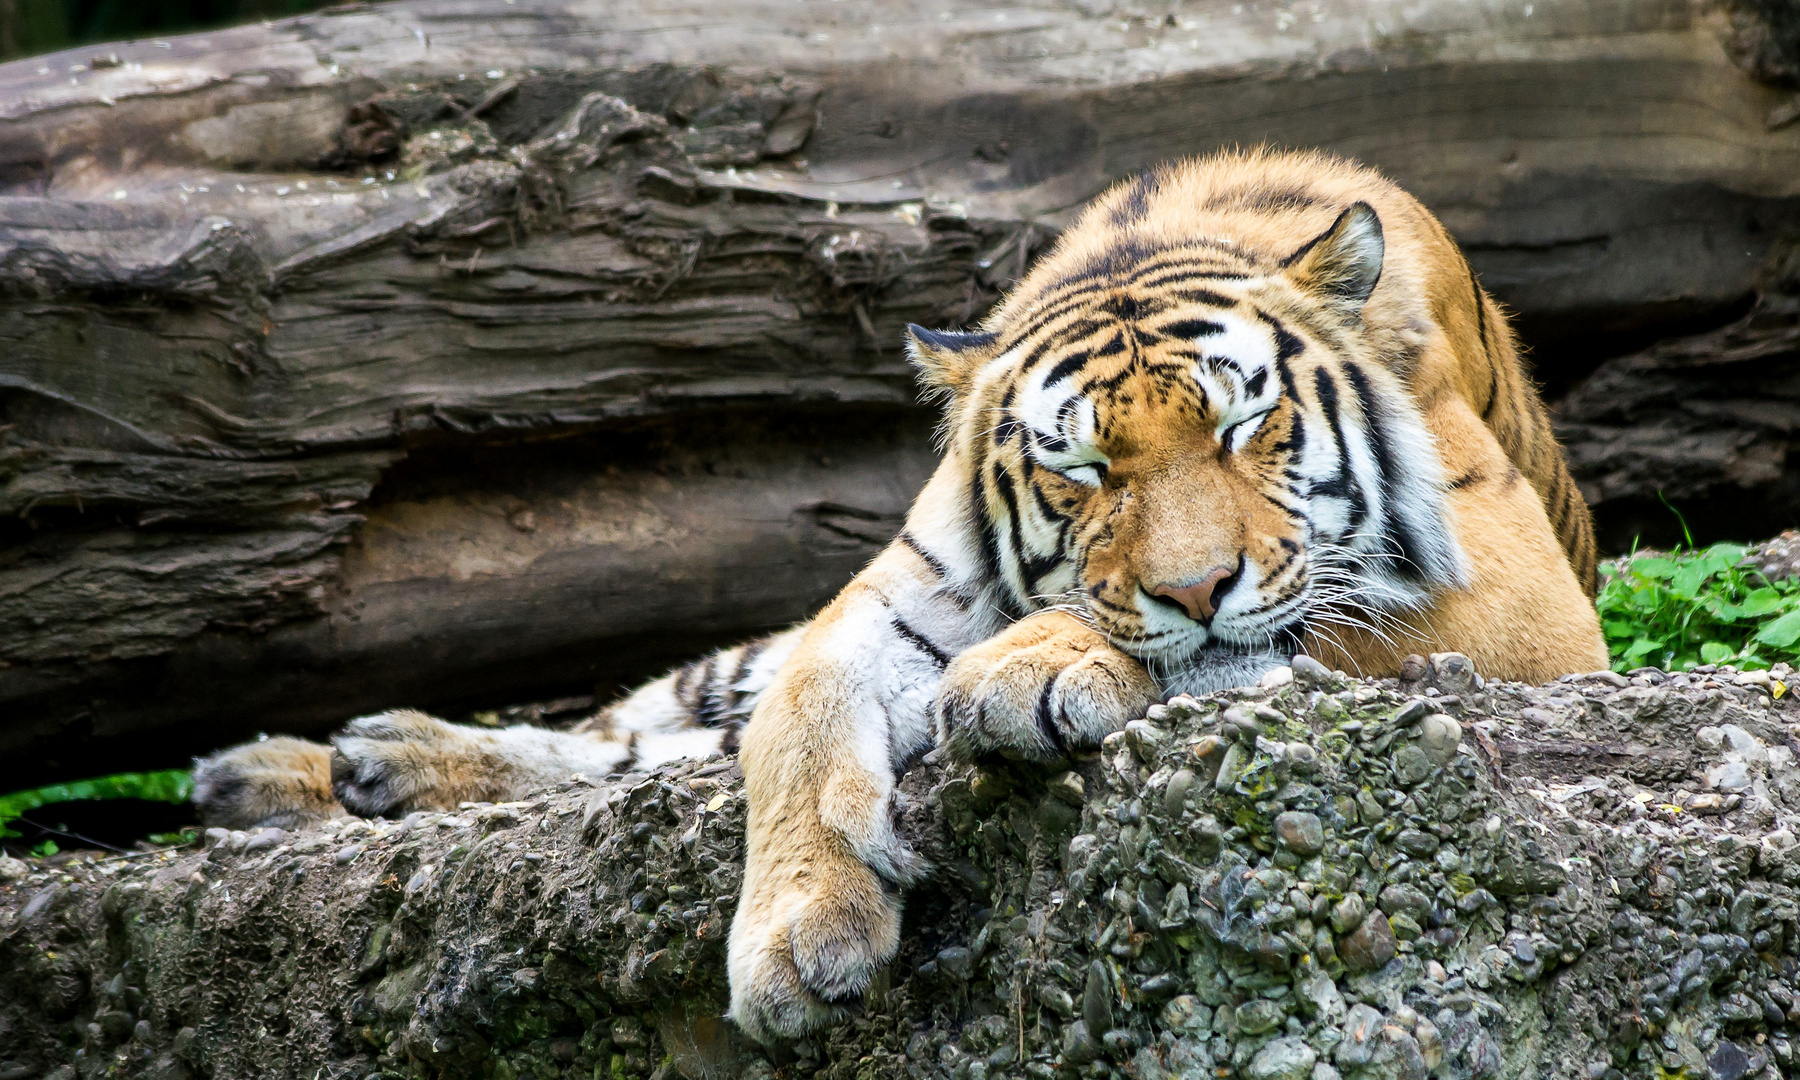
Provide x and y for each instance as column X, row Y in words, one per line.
column 947, row 359
column 1342, row 263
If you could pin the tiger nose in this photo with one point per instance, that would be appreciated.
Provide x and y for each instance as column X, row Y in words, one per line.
column 1197, row 599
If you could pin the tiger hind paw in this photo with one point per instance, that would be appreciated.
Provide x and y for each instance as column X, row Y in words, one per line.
column 281, row 782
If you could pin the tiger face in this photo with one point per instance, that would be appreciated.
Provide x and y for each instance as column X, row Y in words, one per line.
column 1199, row 453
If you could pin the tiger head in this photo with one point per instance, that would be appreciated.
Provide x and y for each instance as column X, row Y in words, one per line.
column 1200, row 448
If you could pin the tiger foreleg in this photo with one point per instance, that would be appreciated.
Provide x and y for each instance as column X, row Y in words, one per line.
column 1046, row 685
column 825, row 869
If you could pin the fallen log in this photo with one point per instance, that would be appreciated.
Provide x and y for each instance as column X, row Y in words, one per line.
column 1322, row 878
column 272, row 296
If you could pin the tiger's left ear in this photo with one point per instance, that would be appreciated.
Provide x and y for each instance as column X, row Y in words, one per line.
column 947, row 359
column 1342, row 263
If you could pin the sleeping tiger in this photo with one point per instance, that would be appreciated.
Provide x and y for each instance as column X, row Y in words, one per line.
column 1249, row 406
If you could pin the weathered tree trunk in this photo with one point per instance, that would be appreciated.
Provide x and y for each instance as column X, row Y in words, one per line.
column 330, row 349
column 1598, row 881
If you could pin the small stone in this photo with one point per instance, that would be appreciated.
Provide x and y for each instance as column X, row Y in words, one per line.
column 1708, row 803
column 1411, row 713
column 1275, row 678
column 1728, row 1061
column 1302, row 758
column 1283, row 1059
column 1185, row 1012
column 348, row 855
column 1371, row 946
column 1175, row 797
column 12, row 870
column 1237, row 757
column 1743, row 744
column 1308, row 672
column 991, row 787
column 1322, row 1071
column 1451, row 672
column 1080, row 1048
column 956, row 962
column 1145, row 739
column 1056, row 999
column 1729, row 776
column 1435, row 971
column 1412, row 669
column 1439, row 737
column 1241, row 723
column 1300, row 832
column 1711, row 739
column 264, row 839
column 1404, row 928
column 1411, row 765
column 1348, row 914
column 1069, row 788
column 1259, row 1015
column 1420, row 845
column 1369, row 807
column 1405, row 900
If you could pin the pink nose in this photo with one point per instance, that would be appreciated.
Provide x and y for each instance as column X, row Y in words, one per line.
column 1196, row 599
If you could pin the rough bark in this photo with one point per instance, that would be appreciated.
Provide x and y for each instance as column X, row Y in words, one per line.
column 272, row 297
column 1597, row 880
column 1707, row 421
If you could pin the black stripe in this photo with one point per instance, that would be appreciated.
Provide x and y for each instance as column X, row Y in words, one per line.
column 1047, row 723
column 984, row 525
column 1189, row 329
column 1344, row 484
column 1473, row 476
column 922, row 643
column 1004, row 484
column 1375, row 420
column 1064, row 368
column 930, row 560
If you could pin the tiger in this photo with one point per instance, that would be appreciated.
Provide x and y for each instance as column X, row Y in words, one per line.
column 1247, row 407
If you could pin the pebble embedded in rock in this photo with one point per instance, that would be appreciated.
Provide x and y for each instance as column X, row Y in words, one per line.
column 1308, row 672
column 348, row 855
column 956, row 962
column 1411, row 765
column 1371, row 946
column 1069, row 787
column 1282, row 1059
column 1420, row 845
column 1259, row 1015
column 1348, row 914
column 1237, row 756
column 1300, row 832
column 1439, row 736
column 1453, row 673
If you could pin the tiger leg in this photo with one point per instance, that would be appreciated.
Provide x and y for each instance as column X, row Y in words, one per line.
column 1044, row 686
column 281, row 782
column 825, row 870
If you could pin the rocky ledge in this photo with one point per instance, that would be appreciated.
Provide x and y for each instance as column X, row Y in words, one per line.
column 1314, row 879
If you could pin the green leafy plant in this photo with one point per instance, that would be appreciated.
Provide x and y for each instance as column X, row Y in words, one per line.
column 170, row 785
column 1697, row 606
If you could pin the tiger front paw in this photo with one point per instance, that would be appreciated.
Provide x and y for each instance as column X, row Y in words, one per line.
column 1042, row 687
column 282, row 782
column 403, row 760
column 806, row 943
